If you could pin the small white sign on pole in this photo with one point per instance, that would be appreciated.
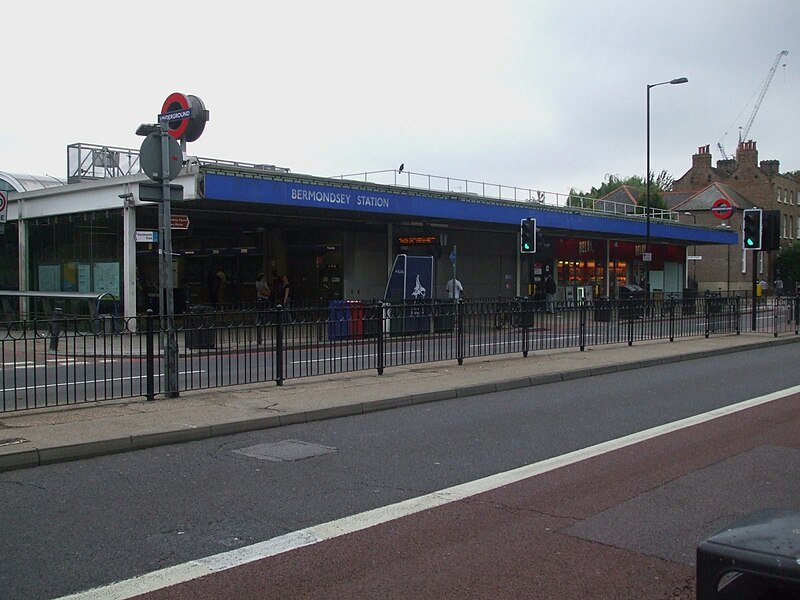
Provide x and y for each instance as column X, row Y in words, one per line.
column 150, row 237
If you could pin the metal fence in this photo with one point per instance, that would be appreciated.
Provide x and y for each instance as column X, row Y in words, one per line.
column 72, row 360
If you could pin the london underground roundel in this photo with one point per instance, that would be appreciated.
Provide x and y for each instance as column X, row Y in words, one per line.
column 190, row 127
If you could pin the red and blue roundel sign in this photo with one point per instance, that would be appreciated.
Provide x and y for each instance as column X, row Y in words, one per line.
column 186, row 116
column 722, row 208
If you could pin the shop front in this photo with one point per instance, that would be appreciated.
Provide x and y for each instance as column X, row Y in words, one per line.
column 591, row 268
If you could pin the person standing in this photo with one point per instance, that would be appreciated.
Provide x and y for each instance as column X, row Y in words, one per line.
column 550, row 294
column 263, row 294
column 455, row 291
column 284, row 292
column 778, row 287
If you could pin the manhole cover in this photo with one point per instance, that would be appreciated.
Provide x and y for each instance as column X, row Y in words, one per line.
column 285, row 450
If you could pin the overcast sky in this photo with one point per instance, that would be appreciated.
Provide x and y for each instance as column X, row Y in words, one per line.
column 542, row 95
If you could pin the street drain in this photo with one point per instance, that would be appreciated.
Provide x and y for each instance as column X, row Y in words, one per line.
column 285, row 451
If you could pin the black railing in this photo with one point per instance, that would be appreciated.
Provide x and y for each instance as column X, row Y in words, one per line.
column 69, row 360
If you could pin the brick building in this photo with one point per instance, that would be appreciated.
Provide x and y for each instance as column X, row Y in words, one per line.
column 745, row 183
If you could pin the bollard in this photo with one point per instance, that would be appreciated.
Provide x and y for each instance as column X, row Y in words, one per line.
column 56, row 328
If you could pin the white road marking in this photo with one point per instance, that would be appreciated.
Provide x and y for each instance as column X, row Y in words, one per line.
column 90, row 382
column 195, row 569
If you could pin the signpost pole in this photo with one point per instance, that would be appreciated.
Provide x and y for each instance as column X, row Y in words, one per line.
column 453, row 256
column 754, row 316
column 167, row 283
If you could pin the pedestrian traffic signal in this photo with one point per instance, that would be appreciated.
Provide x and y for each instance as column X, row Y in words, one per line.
column 751, row 229
column 527, row 235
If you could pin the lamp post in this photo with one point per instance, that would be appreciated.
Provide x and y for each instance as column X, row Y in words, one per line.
column 694, row 250
column 647, row 186
column 728, row 277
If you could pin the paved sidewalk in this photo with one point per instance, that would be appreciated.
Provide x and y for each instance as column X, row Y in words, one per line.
column 45, row 436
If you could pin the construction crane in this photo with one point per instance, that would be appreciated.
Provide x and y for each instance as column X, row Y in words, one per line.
column 743, row 132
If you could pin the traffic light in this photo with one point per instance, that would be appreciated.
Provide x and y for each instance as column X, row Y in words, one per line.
column 771, row 230
column 751, row 229
column 527, row 234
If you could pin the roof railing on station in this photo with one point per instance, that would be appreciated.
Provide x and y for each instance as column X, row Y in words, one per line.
column 495, row 191
column 87, row 162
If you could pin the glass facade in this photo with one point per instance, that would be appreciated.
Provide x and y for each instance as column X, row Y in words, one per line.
column 76, row 253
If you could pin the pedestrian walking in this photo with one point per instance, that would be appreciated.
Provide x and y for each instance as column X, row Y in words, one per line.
column 284, row 297
column 550, row 294
column 263, row 294
column 455, row 291
column 779, row 287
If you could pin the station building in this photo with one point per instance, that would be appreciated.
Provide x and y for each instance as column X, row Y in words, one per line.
column 335, row 238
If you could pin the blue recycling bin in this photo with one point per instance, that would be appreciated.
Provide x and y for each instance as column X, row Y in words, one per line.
column 339, row 317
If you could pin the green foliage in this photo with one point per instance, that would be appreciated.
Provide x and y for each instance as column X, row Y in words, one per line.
column 788, row 264
column 579, row 199
column 658, row 185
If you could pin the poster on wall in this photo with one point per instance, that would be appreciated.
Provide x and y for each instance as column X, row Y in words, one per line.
column 69, row 277
column 84, row 277
column 106, row 278
column 49, row 278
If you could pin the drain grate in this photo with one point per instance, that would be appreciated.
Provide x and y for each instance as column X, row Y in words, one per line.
column 285, row 451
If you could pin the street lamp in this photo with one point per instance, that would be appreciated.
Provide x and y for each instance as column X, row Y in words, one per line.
column 728, row 278
column 647, row 186
column 694, row 250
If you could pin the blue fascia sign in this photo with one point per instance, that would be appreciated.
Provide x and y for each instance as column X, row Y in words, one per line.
column 356, row 199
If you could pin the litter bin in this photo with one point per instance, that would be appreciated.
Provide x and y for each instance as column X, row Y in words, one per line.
column 339, row 316
column 409, row 316
column 689, row 302
column 356, row 323
column 761, row 549
column 632, row 299
column 444, row 314
column 715, row 302
column 373, row 319
column 199, row 331
column 602, row 309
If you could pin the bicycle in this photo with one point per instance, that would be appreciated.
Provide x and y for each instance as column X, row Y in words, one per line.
column 508, row 313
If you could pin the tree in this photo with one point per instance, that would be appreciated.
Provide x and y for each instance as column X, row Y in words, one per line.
column 658, row 185
column 787, row 263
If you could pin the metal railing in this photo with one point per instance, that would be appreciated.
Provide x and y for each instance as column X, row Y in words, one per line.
column 92, row 162
column 88, row 162
column 496, row 191
column 69, row 360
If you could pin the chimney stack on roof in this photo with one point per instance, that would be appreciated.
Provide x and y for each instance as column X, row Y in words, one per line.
column 746, row 154
column 702, row 158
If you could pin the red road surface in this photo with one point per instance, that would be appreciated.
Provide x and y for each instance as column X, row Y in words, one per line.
column 571, row 533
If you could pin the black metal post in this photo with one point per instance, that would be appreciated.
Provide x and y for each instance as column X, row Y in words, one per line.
column 671, row 301
column 526, row 313
column 459, row 331
column 754, row 316
column 149, row 357
column 56, row 327
column 380, row 338
column 583, row 325
column 281, row 313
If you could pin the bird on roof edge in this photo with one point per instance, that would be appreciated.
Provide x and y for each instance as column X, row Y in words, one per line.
column 402, row 166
